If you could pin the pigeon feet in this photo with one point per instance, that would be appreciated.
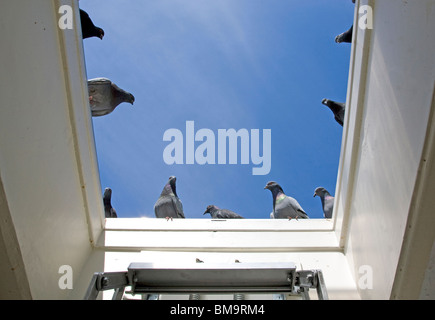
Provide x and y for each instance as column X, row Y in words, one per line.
column 167, row 218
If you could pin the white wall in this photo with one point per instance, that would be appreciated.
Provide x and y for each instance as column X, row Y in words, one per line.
column 390, row 99
column 47, row 161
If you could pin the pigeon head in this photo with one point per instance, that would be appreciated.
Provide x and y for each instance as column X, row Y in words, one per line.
column 107, row 195
column 338, row 108
column 211, row 208
column 273, row 186
column 124, row 96
column 130, row 98
column 99, row 33
column 171, row 182
column 321, row 192
column 169, row 187
column 326, row 102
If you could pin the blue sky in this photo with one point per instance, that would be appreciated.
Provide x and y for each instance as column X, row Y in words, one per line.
column 223, row 64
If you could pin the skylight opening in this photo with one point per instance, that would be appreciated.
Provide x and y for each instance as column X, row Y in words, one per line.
column 227, row 97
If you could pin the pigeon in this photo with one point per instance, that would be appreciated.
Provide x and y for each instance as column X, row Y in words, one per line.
column 345, row 36
column 338, row 108
column 168, row 205
column 284, row 206
column 109, row 212
column 105, row 96
column 327, row 201
column 88, row 28
column 218, row 213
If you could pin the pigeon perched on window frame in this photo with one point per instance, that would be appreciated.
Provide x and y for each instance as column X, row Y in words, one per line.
column 218, row 213
column 168, row 205
column 109, row 211
column 338, row 108
column 327, row 201
column 284, row 207
column 105, row 96
column 89, row 30
column 345, row 36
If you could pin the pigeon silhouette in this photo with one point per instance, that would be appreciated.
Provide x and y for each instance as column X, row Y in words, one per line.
column 327, row 201
column 284, row 207
column 168, row 205
column 105, row 96
column 109, row 211
column 218, row 213
column 345, row 36
column 88, row 28
column 338, row 108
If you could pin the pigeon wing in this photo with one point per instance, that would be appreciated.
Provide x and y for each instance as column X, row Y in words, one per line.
column 289, row 208
column 178, row 207
column 113, row 213
column 228, row 214
column 301, row 213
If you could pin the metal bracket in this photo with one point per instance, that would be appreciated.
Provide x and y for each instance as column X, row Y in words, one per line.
column 102, row 281
column 216, row 278
column 309, row 279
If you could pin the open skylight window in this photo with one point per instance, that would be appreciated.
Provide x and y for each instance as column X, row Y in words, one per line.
column 200, row 71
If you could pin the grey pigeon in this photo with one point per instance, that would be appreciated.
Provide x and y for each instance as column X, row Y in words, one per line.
column 168, row 205
column 88, row 28
column 327, row 201
column 105, row 96
column 109, row 211
column 284, row 207
column 345, row 36
column 218, row 213
column 338, row 108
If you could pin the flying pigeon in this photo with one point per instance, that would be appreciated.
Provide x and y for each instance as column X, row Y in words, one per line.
column 168, row 205
column 337, row 108
column 327, row 201
column 105, row 96
column 345, row 36
column 109, row 212
column 88, row 28
column 284, row 207
column 218, row 213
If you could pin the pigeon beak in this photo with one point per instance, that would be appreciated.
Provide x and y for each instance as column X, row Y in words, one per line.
column 314, row 195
